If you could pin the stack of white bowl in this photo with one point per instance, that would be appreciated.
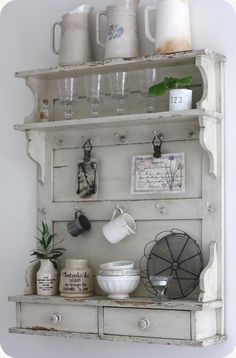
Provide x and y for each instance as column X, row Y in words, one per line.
column 118, row 278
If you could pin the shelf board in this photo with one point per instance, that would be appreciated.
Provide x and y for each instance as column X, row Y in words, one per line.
column 109, row 337
column 134, row 302
column 106, row 66
column 117, row 121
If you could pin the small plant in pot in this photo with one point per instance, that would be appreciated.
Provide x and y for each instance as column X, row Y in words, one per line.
column 180, row 94
column 47, row 252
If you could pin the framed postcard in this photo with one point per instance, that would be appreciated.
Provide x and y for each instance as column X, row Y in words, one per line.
column 163, row 175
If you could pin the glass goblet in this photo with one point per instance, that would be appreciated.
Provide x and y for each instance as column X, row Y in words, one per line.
column 160, row 284
column 95, row 92
column 119, row 86
column 147, row 78
column 68, row 94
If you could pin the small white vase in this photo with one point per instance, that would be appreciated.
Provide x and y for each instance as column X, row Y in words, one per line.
column 180, row 99
column 47, row 279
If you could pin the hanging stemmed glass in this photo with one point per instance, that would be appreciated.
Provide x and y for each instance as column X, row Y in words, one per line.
column 147, row 78
column 68, row 94
column 95, row 92
column 119, row 86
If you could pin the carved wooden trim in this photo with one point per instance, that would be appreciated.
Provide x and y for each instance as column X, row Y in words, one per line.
column 208, row 278
column 36, row 150
column 208, row 140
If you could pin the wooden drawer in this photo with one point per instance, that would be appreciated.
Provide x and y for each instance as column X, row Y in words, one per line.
column 147, row 323
column 59, row 317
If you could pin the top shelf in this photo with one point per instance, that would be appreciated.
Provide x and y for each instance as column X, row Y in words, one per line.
column 106, row 66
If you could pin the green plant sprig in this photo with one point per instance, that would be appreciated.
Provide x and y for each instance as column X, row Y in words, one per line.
column 169, row 83
column 48, row 248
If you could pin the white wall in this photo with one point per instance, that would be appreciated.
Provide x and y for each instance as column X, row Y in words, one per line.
column 24, row 43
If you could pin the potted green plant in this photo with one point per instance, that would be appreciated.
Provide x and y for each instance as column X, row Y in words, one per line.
column 47, row 252
column 180, row 94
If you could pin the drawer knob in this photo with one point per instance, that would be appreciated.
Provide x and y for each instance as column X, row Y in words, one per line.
column 143, row 323
column 161, row 209
column 56, row 318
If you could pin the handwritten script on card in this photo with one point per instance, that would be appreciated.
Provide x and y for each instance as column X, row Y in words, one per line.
column 163, row 175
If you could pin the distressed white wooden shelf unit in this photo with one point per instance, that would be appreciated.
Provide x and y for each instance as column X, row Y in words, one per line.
column 56, row 146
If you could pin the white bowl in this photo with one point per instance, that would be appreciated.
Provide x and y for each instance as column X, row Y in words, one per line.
column 118, row 287
column 117, row 265
column 128, row 272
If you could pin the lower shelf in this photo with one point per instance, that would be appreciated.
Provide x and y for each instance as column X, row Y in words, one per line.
column 200, row 343
column 176, row 322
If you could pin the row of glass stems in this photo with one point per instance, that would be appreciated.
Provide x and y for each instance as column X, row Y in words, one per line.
column 119, row 88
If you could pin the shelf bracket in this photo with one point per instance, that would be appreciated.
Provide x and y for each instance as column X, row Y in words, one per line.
column 36, row 150
column 208, row 277
column 208, row 140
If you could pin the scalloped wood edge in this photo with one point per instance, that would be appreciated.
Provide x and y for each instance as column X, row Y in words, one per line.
column 36, row 150
column 208, row 277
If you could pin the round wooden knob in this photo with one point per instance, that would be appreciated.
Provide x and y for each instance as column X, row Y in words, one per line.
column 56, row 317
column 143, row 323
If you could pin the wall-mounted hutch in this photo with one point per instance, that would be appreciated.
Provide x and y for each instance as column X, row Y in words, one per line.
column 56, row 146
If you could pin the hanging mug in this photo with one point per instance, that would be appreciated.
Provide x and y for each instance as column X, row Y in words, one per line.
column 79, row 225
column 119, row 226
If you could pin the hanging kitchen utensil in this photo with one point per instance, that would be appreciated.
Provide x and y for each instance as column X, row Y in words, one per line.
column 87, row 173
column 176, row 255
column 157, row 143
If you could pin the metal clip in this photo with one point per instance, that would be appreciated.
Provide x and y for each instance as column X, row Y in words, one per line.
column 157, row 143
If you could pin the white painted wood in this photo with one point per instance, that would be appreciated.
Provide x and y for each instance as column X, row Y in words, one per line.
column 57, row 147
column 201, row 343
column 208, row 277
column 110, row 66
column 36, row 150
column 162, row 324
column 73, row 319
column 132, row 302
column 205, row 324
column 30, row 278
column 208, row 140
column 114, row 121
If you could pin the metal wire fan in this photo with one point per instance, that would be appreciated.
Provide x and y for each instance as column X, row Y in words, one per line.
column 177, row 255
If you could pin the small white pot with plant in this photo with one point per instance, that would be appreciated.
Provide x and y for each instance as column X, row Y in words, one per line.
column 47, row 252
column 180, row 94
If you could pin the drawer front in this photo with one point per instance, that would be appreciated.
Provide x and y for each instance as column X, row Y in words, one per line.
column 147, row 323
column 59, row 317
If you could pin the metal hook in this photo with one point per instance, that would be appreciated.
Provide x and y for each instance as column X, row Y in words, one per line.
column 157, row 143
column 87, row 147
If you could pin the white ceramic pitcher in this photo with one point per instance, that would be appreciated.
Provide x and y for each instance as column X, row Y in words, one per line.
column 121, row 34
column 172, row 26
column 75, row 42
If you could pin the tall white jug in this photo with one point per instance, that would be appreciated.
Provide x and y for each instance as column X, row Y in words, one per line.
column 75, row 42
column 173, row 32
column 121, row 35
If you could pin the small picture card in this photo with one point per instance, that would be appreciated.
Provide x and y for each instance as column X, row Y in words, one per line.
column 163, row 175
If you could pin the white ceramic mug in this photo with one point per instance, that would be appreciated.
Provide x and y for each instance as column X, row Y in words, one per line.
column 119, row 226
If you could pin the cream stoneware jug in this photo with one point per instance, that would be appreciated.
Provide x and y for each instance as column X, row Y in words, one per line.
column 76, row 279
column 75, row 45
column 173, row 32
column 121, row 35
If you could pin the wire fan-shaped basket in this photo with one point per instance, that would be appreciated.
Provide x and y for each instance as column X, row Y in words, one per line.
column 173, row 253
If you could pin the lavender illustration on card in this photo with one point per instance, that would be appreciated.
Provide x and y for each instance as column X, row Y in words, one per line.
column 115, row 31
column 164, row 175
